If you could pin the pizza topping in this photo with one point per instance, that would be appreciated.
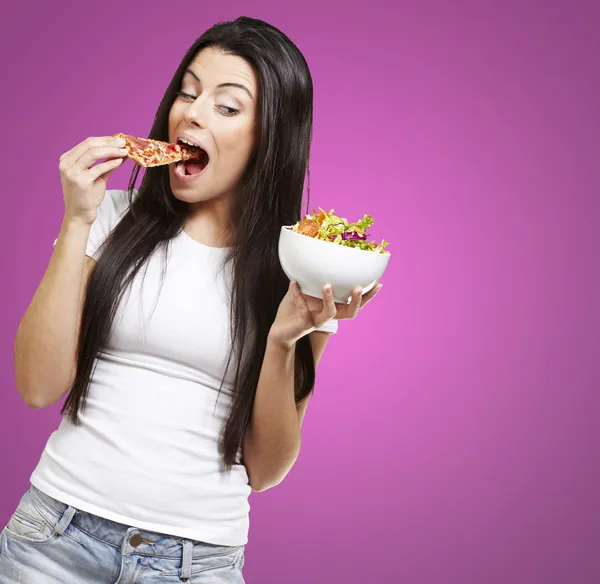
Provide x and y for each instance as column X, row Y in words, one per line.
column 147, row 152
column 140, row 143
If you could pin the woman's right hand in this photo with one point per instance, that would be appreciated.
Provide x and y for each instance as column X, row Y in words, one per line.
column 83, row 185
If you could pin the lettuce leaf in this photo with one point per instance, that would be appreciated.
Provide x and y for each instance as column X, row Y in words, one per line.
column 338, row 230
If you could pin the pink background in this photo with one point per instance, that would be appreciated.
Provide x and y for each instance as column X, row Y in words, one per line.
column 453, row 438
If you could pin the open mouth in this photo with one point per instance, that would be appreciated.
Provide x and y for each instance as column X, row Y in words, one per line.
column 195, row 165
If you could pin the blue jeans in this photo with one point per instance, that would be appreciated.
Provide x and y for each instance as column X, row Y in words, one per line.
column 48, row 542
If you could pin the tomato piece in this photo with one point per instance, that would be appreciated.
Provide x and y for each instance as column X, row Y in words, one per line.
column 308, row 227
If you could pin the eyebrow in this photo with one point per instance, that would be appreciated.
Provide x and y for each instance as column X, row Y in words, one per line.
column 238, row 85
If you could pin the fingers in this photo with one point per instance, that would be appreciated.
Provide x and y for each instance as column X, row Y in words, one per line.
column 91, row 149
column 350, row 310
column 69, row 157
column 370, row 295
column 92, row 156
column 358, row 300
column 104, row 168
column 329, row 309
column 301, row 304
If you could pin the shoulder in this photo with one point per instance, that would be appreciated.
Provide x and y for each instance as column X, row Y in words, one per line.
column 114, row 204
column 110, row 211
column 112, row 208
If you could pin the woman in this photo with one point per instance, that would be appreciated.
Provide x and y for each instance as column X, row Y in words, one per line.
column 188, row 380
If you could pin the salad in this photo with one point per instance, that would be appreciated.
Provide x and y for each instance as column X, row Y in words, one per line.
column 330, row 227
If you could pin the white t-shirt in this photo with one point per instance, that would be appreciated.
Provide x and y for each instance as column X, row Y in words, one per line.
column 146, row 452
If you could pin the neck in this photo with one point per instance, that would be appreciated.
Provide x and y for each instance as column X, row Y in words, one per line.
column 208, row 223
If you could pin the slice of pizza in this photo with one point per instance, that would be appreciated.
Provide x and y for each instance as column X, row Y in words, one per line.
column 146, row 152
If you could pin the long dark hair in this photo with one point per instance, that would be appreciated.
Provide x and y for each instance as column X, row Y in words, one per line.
column 269, row 196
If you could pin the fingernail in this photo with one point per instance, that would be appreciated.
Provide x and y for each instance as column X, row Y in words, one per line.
column 328, row 289
column 121, row 141
column 379, row 287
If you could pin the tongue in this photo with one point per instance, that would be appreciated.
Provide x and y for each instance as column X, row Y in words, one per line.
column 193, row 166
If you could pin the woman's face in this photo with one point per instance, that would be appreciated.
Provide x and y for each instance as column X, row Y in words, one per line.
column 219, row 115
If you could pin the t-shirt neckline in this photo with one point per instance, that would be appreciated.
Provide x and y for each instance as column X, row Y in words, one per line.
column 203, row 245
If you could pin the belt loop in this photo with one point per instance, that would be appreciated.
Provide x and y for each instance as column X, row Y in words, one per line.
column 65, row 520
column 186, row 560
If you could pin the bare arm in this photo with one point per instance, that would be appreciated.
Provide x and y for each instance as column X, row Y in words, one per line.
column 46, row 342
column 319, row 341
column 272, row 442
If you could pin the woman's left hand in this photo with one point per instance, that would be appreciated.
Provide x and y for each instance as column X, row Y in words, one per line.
column 299, row 314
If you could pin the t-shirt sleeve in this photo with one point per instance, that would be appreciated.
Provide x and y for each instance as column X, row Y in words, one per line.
column 331, row 326
column 111, row 210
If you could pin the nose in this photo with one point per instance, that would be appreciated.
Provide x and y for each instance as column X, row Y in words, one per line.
column 196, row 112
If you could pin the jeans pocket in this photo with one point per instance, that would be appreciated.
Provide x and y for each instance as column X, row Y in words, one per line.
column 29, row 524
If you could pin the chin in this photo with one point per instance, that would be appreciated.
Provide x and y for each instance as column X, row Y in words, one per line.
column 181, row 196
column 189, row 196
column 192, row 196
column 199, row 192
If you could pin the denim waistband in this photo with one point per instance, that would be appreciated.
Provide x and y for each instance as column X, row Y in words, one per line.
column 129, row 539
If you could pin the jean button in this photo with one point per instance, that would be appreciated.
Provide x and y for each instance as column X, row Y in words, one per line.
column 135, row 540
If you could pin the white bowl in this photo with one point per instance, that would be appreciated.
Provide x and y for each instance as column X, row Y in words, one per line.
column 313, row 263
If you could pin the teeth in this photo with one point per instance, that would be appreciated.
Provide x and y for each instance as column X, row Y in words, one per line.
column 188, row 143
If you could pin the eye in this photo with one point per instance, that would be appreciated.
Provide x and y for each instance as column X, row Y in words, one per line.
column 228, row 111
column 185, row 95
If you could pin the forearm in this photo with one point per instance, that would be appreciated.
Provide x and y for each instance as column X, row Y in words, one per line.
column 46, row 339
column 272, row 442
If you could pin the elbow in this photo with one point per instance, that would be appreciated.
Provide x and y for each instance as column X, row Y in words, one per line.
column 33, row 399
column 35, row 404
column 267, row 465
column 36, row 397
column 39, row 394
column 262, row 486
column 271, row 475
column 257, row 481
column 261, row 482
column 38, row 387
column 27, row 391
